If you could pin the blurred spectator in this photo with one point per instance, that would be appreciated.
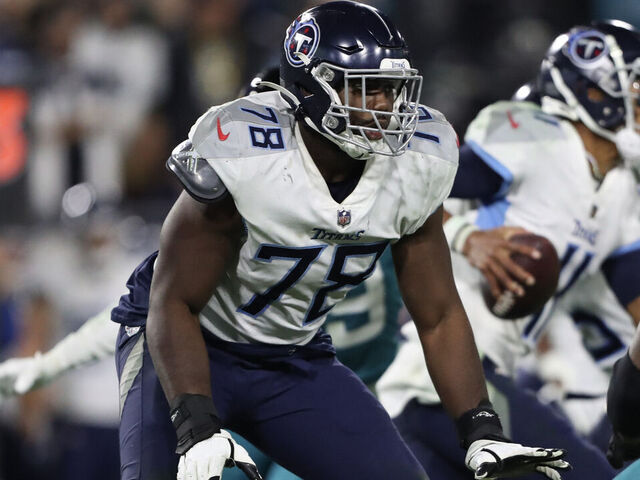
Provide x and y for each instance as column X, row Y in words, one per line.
column 16, row 77
column 218, row 49
column 81, row 267
column 471, row 52
column 25, row 327
column 104, row 76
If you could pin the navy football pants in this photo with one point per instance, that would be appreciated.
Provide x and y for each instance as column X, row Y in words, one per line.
column 300, row 406
column 431, row 435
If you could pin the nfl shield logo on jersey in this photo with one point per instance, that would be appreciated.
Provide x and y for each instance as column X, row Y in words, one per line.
column 344, row 217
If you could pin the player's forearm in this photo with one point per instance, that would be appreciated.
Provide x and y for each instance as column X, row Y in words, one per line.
column 178, row 351
column 95, row 340
column 453, row 362
column 633, row 308
column 634, row 349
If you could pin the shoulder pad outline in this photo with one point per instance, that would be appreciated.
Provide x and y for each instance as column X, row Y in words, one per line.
column 198, row 178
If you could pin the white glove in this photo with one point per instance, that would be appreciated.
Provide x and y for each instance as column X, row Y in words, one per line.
column 20, row 375
column 490, row 459
column 95, row 340
column 206, row 459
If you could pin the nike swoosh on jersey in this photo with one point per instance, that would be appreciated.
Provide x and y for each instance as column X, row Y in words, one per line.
column 513, row 123
column 222, row 136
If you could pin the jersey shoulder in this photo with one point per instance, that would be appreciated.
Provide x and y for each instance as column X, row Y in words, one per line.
column 434, row 136
column 514, row 122
column 424, row 174
column 519, row 135
column 248, row 126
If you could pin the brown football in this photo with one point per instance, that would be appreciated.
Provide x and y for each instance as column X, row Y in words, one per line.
column 545, row 270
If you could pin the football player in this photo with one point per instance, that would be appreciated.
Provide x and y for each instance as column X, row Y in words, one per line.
column 564, row 169
column 363, row 328
column 590, row 330
column 291, row 197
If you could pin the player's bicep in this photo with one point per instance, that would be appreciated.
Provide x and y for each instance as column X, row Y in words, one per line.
column 423, row 267
column 196, row 243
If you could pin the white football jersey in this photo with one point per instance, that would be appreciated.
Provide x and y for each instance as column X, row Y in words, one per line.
column 304, row 250
column 588, row 332
column 548, row 189
column 606, row 327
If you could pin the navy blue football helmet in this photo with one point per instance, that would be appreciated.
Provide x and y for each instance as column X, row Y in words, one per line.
column 604, row 56
column 262, row 80
column 339, row 46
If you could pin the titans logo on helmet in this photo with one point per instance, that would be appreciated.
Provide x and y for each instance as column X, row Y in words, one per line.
column 303, row 36
column 588, row 47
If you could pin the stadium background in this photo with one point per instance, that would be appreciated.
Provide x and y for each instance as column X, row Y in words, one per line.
column 94, row 94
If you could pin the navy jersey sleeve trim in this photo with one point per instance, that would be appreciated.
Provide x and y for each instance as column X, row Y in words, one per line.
column 133, row 308
column 622, row 270
column 480, row 176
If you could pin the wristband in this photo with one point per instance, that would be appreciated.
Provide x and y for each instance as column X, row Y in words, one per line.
column 457, row 229
column 194, row 418
column 478, row 423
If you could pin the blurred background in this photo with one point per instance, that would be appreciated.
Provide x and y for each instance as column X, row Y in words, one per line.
column 94, row 94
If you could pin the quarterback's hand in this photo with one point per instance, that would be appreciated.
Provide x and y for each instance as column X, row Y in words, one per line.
column 489, row 251
column 621, row 449
column 491, row 459
column 20, row 375
column 206, row 459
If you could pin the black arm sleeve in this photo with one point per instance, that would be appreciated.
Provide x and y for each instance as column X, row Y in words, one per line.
column 475, row 179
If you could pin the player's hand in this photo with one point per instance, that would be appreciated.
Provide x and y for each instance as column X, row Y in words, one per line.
column 490, row 459
column 489, row 251
column 621, row 449
column 206, row 459
column 21, row 375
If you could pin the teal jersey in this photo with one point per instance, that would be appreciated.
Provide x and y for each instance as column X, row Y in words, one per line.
column 364, row 326
column 630, row 473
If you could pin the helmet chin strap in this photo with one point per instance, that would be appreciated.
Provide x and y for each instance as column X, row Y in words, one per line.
column 351, row 150
column 354, row 151
column 595, row 169
column 282, row 90
column 575, row 108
